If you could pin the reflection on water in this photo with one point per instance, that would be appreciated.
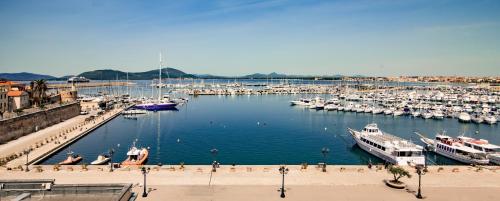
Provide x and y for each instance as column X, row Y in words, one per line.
column 257, row 130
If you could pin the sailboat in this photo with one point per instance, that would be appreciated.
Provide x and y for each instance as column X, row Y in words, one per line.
column 160, row 104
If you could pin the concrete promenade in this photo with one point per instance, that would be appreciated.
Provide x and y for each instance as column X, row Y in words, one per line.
column 52, row 138
column 262, row 182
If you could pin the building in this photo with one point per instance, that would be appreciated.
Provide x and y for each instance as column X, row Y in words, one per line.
column 69, row 96
column 47, row 189
column 4, row 100
column 18, row 100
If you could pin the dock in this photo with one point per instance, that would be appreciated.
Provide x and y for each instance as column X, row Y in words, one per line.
column 89, row 84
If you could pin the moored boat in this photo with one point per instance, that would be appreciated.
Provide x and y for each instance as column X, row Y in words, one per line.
column 453, row 148
column 101, row 159
column 464, row 117
column 71, row 159
column 136, row 156
column 387, row 147
column 492, row 151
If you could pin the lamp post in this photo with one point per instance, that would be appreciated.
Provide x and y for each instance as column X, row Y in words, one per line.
column 27, row 152
column 421, row 170
column 283, row 170
column 145, row 172
column 324, row 151
column 214, row 155
column 111, row 152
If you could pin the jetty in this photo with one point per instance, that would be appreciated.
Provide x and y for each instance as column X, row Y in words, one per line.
column 88, row 84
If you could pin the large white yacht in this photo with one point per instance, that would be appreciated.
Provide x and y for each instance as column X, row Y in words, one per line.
column 454, row 149
column 388, row 147
column 492, row 151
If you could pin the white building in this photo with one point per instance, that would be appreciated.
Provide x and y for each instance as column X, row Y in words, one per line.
column 18, row 100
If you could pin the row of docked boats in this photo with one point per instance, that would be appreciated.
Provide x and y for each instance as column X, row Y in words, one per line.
column 404, row 109
column 135, row 156
column 395, row 150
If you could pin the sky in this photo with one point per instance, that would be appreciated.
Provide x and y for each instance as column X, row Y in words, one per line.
column 299, row 37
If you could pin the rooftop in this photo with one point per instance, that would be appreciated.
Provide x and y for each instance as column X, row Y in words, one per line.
column 16, row 93
column 45, row 189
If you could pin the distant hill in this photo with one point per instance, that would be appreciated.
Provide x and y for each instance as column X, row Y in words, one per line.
column 24, row 76
column 108, row 74
column 264, row 76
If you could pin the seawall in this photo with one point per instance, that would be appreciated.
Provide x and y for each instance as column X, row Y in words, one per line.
column 14, row 128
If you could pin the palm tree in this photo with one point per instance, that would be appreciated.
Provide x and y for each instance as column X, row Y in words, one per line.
column 39, row 89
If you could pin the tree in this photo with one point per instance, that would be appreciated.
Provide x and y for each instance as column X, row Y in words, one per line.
column 398, row 173
column 39, row 89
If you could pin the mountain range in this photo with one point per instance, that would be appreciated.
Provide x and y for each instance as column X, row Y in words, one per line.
column 24, row 76
column 109, row 74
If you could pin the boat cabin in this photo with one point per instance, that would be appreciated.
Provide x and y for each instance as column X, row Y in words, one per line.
column 134, row 154
column 371, row 129
column 479, row 145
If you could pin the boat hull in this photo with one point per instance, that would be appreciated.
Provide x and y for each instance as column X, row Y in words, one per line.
column 141, row 161
column 385, row 156
column 156, row 107
column 100, row 162
column 72, row 162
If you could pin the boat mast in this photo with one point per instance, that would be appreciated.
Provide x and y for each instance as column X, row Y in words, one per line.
column 159, row 81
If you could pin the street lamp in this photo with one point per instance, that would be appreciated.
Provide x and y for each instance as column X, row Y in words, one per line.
column 283, row 170
column 421, row 170
column 324, row 151
column 27, row 152
column 145, row 172
column 214, row 155
column 111, row 152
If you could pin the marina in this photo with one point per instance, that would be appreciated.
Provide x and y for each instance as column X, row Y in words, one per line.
column 250, row 100
column 189, row 132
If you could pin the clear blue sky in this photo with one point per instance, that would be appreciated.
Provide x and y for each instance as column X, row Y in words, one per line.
column 372, row 37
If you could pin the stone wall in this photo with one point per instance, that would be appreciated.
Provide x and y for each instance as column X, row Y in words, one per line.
column 14, row 128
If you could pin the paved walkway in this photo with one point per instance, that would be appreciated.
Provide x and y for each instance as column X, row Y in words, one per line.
column 51, row 137
column 262, row 182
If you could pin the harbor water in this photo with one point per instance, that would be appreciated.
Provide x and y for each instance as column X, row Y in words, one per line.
column 256, row 130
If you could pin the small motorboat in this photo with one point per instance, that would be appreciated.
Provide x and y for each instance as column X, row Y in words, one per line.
column 101, row 160
column 71, row 159
column 136, row 156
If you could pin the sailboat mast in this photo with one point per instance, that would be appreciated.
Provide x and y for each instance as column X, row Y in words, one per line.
column 159, row 80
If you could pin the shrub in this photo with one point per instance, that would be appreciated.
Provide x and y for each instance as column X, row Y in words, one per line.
column 398, row 173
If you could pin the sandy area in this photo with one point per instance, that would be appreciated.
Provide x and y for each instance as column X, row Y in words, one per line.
column 262, row 182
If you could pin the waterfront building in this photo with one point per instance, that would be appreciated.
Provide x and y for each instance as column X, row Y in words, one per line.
column 3, row 99
column 18, row 100
column 69, row 96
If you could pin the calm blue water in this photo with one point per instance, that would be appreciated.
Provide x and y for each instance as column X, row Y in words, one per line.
column 256, row 130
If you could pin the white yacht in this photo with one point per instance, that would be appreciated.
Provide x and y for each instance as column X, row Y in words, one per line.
column 492, row 151
column 464, row 117
column 427, row 115
column 331, row 107
column 398, row 113
column 476, row 118
column 388, row 147
column 415, row 114
column 454, row 149
column 490, row 119
column 377, row 111
column 133, row 111
column 438, row 114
